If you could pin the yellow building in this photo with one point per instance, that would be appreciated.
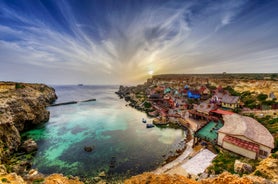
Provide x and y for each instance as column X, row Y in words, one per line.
column 226, row 100
column 245, row 136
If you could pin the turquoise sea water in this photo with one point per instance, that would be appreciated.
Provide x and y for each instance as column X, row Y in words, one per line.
column 115, row 130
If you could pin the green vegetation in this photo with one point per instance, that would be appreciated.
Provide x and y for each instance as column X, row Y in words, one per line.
column 19, row 86
column 38, row 181
column 232, row 91
column 147, row 105
column 259, row 173
column 273, row 76
column 252, row 100
column 225, row 160
column 5, row 180
column 274, row 155
column 249, row 99
column 262, row 97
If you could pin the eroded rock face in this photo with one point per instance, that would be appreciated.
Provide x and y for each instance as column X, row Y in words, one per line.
column 152, row 178
column 242, row 168
column 226, row 178
column 268, row 168
column 12, row 178
column 60, row 179
column 29, row 146
column 20, row 109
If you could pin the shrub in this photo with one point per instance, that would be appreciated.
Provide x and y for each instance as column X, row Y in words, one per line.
column 4, row 180
column 147, row 105
column 262, row 97
column 259, row 173
column 38, row 181
column 274, row 155
column 18, row 86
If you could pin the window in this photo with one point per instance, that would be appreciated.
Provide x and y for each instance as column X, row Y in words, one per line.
column 263, row 153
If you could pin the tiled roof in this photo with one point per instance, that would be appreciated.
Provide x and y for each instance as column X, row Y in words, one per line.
column 242, row 143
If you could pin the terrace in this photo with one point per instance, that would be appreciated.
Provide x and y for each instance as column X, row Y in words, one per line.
column 209, row 131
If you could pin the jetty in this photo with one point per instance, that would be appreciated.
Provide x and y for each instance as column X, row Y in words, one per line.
column 72, row 102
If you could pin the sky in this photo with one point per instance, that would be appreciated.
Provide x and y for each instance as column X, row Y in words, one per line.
column 128, row 41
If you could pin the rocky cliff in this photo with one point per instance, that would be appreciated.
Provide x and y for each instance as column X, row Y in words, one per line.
column 21, row 108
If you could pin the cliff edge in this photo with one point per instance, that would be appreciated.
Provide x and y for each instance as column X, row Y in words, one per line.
column 22, row 106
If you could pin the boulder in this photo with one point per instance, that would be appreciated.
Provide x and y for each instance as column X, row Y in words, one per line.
column 3, row 170
column 97, row 179
column 242, row 168
column 88, row 148
column 102, row 174
column 33, row 175
column 29, row 146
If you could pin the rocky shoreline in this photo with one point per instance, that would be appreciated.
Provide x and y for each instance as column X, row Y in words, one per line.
column 22, row 107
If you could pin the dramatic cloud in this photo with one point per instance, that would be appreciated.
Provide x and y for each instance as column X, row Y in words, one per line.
column 106, row 42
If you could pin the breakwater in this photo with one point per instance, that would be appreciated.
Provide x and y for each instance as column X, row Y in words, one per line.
column 72, row 102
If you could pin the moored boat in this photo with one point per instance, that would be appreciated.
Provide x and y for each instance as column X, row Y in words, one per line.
column 149, row 125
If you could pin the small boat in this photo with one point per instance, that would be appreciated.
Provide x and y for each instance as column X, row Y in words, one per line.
column 144, row 121
column 80, row 85
column 149, row 125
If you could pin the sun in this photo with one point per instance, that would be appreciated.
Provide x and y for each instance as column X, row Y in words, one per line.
column 150, row 72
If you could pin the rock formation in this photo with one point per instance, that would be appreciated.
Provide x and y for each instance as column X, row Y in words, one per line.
column 21, row 108
column 226, row 178
column 36, row 177
column 242, row 168
column 268, row 168
column 151, row 178
column 29, row 146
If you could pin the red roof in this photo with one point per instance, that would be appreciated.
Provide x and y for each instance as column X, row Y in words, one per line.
column 222, row 112
column 242, row 143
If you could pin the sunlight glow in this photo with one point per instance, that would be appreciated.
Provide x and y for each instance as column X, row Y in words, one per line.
column 150, row 72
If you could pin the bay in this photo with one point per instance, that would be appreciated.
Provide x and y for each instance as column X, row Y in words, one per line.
column 112, row 128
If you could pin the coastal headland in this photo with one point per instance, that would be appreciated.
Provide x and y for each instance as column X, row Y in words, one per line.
column 22, row 107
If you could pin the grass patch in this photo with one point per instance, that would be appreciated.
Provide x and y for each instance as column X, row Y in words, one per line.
column 261, row 174
column 224, row 161
column 274, row 155
column 38, row 181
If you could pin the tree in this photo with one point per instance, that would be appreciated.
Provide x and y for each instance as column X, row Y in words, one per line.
column 262, row 97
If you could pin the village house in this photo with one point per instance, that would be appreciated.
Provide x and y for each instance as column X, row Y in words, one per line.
column 225, row 100
column 245, row 136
